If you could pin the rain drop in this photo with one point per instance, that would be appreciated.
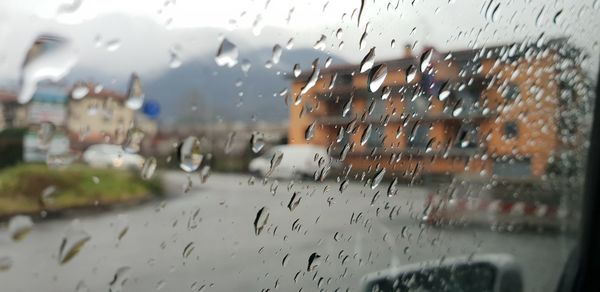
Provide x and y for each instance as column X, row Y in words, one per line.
column 314, row 76
column 366, row 135
column 135, row 95
column 49, row 58
column 80, row 91
column 294, row 201
column 187, row 250
column 257, row 142
column 45, row 134
column 297, row 71
column 148, row 168
column 378, row 178
column 133, row 141
column 314, row 260
column 385, row 94
column 262, row 217
column 229, row 142
column 377, row 77
column 368, row 61
column 189, row 154
column 320, row 44
column 19, row 226
column 119, row 279
column 71, row 244
column 411, row 73
column 310, row 132
column 227, row 54
column 5, row 263
column 426, row 59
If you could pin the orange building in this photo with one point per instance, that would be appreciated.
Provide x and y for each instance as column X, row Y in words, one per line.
column 490, row 111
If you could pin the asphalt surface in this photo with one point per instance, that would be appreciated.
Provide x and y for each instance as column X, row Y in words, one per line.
column 353, row 233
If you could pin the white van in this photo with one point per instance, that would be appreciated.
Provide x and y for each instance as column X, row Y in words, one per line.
column 295, row 161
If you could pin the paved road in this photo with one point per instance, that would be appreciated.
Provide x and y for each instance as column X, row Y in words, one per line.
column 226, row 255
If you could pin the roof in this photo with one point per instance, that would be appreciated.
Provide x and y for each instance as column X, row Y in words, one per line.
column 6, row 96
column 458, row 56
column 102, row 93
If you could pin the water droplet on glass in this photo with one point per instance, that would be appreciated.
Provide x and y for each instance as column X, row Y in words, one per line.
column 314, row 260
column 175, row 61
column 285, row 260
column 320, row 44
column 426, row 59
column 457, row 110
column 444, row 91
column 290, row 44
column 133, row 142
column 297, row 71
column 227, row 54
column 160, row 285
column 276, row 160
column 346, row 150
column 19, row 226
column 113, row 45
column 314, row 76
column 135, row 95
column 204, row 173
column 294, row 201
column 81, row 287
column 229, row 142
column 344, row 185
column 45, row 134
column 122, row 225
column 277, row 50
column 187, row 250
column 310, row 131
column 262, row 217
column 245, row 66
column 366, row 135
column 393, row 188
column 368, row 61
column 363, row 41
column 339, row 33
column 328, row 62
column 347, row 107
column 377, row 77
column 49, row 58
column 148, row 168
column 257, row 142
column 72, row 242
column 378, row 178
column 80, row 91
column 411, row 73
column 119, row 279
column 189, row 154
column 5, row 263
column 385, row 93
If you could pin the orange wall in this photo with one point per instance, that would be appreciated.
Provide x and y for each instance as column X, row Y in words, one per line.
column 537, row 137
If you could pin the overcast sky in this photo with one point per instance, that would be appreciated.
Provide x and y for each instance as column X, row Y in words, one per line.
column 120, row 36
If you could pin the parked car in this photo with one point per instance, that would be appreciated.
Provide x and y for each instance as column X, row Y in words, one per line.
column 109, row 155
column 292, row 161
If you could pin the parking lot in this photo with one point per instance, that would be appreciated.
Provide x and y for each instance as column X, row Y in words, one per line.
column 207, row 239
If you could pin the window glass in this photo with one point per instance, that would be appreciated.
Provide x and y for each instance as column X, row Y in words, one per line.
column 320, row 145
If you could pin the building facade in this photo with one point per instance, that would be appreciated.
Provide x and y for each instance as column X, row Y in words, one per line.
column 491, row 111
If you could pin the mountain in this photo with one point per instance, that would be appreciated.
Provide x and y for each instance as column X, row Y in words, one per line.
column 200, row 90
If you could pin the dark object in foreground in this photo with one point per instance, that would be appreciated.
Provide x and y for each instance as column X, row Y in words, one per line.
column 491, row 272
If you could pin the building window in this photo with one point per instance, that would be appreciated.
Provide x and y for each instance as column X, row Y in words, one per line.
column 511, row 92
column 419, row 136
column 467, row 136
column 376, row 137
column 511, row 130
column 417, row 105
column 345, row 79
column 377, row 108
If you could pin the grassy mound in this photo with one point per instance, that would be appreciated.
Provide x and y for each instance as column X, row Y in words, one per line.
column 29, row 188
